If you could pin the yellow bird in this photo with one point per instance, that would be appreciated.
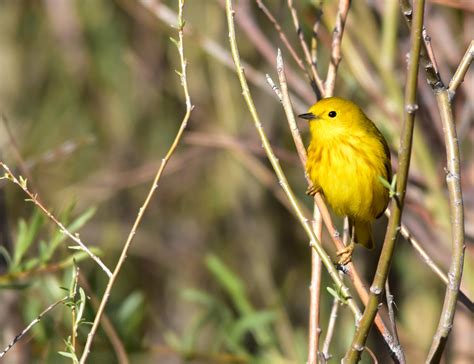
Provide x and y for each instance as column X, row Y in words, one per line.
column 346, row 158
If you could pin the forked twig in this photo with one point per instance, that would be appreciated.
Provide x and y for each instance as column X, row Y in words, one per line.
column 461, row 71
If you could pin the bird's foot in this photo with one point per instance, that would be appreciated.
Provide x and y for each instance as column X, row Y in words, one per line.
column 312, row 190
column 345, row 255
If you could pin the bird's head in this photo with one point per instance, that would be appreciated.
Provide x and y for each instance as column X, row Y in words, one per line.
column 332, row 113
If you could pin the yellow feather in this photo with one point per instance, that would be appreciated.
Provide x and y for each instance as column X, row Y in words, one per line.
column 346, row 156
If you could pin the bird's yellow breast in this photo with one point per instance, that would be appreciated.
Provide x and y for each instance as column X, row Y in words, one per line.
column 346, row 167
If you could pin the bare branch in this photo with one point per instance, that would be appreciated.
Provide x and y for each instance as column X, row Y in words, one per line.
column 318, row 85
column 337, row 33
column 461, row 71
column 154, row 186
column 32, row 323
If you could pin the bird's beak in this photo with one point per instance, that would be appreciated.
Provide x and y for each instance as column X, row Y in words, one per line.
column 307, row 116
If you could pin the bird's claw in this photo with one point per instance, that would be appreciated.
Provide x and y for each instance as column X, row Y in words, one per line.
column 312, row 190
column 345, row 255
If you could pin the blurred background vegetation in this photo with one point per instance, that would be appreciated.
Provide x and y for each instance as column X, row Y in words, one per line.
column 219, row 269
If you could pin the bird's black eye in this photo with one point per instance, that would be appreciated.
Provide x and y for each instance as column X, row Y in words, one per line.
column 332, row 114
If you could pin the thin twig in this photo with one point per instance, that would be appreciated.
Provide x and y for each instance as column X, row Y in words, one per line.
column 335, row 306
column 354, row 352
column 337, row 33
column 318, row 85
column 211, row 47
column 461, row 71
column 245, row 20
column 282, row 34
column 432, row 75
column 154, row 186
column 315, row 244
column 463, row 298
column 74, row 321
column 106, row 324
column 314, row 35
column 453, row 180
column 34, row 198
column 32, row 323
column 315, row 293
column 391, row 314
column 315, row 285
column 16, row 151
column 331, row 328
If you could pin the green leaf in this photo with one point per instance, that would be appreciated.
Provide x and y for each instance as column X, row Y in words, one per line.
column 229, row 282
column 66, row 354
column 252, row 322
column 131, row 313
column 385, row 183
column 59, row 237
column 175, row 42
column 198, row 296
column 23, row 182
column 337, row 294
column 391, row 186
column 26, row 235
column 81, row 306
column 4, row 252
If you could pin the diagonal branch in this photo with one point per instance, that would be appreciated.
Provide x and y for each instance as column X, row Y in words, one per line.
column 317, row 82
column 461, row 71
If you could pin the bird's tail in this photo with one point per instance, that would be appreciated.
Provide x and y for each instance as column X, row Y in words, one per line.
column 363, row 233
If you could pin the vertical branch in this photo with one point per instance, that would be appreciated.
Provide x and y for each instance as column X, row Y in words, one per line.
column 335, row 305
column 453, row 180
column 315, row 293
column 443, row 97
column 338, row 31
column 154, row 186
column 315, row 244
column 315, row 284
column 391, row 314
column 354, row 352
